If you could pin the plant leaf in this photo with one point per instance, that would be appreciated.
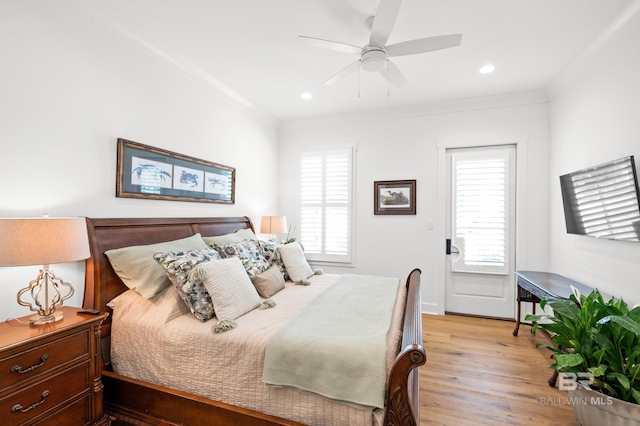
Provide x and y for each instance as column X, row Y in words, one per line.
column 566, row 308
column 551, row 348
column 530, row 317
column 568, row 360
column 626, row 322
column 621, row 378
column 598, row 371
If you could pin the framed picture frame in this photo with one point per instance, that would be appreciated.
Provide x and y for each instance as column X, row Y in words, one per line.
column 157, row 174
column 394, row 197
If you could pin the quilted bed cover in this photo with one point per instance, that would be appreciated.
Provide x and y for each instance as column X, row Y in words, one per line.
column 157, row 341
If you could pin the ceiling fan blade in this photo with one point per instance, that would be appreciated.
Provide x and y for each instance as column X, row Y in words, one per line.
column 394, row 75
column 331, row 45
column 347, row 15
column 384, row 21
column 349, row 69
column 423, row 45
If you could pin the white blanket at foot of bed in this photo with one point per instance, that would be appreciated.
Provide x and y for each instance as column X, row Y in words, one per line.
column 336, row 347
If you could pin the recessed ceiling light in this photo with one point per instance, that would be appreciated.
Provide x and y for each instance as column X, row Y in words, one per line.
column 306, row 96
column 487, row 69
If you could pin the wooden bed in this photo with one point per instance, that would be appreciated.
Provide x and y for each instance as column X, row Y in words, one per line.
column 143, row 403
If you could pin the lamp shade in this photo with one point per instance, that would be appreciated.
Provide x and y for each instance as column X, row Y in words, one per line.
column 273, row 225
column 43, row 241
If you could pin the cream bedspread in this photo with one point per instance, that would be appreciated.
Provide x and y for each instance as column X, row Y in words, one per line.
column 157, row 341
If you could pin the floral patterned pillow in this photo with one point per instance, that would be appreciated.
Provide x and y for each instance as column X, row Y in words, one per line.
column 178, row 265
column 269, row 250
column 248, row 252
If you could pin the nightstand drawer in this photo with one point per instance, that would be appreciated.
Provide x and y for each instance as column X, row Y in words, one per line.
column 41, row 359
column 77, row 413
column 34, row 400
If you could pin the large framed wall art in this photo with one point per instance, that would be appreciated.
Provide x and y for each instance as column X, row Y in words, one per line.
column 153, row 173
column 394, row 197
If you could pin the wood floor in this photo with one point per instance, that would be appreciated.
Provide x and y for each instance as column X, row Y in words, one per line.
column 478, row 373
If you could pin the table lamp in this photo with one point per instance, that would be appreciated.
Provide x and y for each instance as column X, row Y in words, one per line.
column 273, row 225
column 43, row 241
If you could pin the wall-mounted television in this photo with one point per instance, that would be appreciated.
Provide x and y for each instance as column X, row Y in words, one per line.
column 602, row 201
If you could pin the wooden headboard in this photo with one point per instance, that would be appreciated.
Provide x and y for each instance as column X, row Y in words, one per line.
column 101, row 282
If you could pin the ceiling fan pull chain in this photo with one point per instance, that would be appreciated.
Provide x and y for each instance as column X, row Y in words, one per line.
column 359, row 79
column 388, row 78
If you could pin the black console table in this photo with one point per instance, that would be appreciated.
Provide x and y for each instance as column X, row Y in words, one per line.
column 534, row 285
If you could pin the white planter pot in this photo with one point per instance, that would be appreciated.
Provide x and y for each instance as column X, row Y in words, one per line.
column 592, row 408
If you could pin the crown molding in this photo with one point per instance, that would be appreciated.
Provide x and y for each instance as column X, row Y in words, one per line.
column 487, row 102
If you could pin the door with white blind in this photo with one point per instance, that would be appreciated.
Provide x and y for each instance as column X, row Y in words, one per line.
column 480, row 225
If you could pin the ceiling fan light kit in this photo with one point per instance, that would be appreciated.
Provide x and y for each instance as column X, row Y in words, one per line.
column 373, row 60
column 374, row 57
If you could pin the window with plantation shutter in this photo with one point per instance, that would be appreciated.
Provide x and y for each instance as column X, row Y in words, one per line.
column 326, row 204
column 481, row 211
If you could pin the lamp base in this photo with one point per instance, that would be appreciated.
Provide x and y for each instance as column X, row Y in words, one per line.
column 45, row 319
column 46, row 294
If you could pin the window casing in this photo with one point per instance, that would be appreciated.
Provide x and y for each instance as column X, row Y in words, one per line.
column 326, row 204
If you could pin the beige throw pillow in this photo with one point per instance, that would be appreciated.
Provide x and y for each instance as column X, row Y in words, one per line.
column 139, row 271
column 269, row 282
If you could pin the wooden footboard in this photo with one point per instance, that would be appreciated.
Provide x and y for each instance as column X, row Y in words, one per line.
column 403, row 387
column 142, row 403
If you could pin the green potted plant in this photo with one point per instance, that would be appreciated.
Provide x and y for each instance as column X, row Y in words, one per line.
column 597, row 341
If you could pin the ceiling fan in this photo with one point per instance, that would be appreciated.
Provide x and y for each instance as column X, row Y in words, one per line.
column 374, row 56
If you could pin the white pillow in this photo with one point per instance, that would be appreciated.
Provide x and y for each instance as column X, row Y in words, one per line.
column 236, row 237
column 294, row 261
column 162, row 308
column 230, row 288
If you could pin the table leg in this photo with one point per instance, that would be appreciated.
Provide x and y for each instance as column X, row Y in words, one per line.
column 515, row 332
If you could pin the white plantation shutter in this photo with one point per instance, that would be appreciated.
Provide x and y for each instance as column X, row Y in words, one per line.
column 481, row 210
column 481, row 206
column 325, row 204
column 311, row 185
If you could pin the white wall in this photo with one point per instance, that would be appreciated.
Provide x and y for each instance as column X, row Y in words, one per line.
column 403, row 145
column 594, row 120
column 69, row 87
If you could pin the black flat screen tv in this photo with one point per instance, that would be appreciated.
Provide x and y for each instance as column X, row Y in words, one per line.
column 602, row 201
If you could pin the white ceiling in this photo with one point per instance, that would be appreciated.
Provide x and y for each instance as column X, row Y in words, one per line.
column 252, row 47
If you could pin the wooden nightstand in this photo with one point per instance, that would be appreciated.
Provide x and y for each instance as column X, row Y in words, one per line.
column 50, row 374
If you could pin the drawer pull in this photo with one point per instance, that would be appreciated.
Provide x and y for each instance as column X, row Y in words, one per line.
column 19, row 370
column 18, row 408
